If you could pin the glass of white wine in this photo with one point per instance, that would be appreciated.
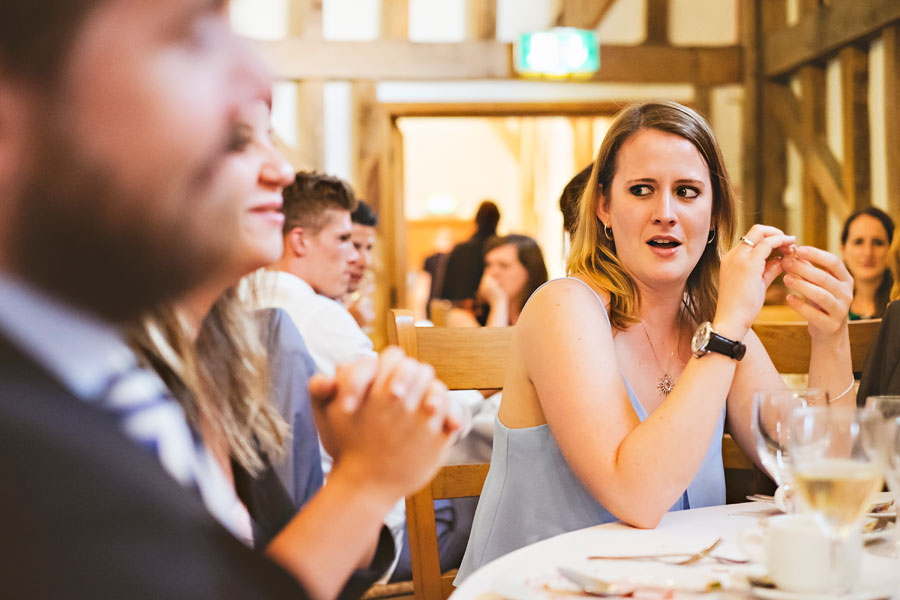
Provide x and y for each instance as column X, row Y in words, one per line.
column 889, row 408
column 772, row 410
column 837, row 470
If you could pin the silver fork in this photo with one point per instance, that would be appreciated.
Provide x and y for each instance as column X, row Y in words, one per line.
column 689, row 560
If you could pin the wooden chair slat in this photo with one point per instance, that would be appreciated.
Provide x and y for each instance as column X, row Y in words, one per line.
column 788, row 343
column 459, row 481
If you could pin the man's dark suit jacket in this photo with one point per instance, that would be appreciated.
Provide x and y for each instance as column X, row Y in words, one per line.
column 87, row 513
column 881, row 376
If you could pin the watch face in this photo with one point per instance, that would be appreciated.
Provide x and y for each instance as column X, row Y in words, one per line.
column 701, row 337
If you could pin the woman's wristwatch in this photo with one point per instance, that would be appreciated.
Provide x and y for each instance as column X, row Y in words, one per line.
column 706, row 340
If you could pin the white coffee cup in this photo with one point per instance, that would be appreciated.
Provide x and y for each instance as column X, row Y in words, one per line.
column 797, row 554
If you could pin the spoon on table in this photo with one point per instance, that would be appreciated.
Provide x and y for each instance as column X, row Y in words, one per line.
column 599, row 587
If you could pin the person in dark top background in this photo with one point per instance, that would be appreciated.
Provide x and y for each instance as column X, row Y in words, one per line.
column 466, row 261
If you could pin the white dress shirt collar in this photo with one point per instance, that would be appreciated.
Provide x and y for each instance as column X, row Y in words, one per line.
column 78, row 348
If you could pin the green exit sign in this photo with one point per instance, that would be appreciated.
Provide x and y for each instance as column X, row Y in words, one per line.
column 560, row 52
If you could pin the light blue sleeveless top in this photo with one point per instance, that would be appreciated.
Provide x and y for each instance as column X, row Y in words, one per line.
column 531, row 493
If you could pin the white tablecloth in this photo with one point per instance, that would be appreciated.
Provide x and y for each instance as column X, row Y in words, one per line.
column 531, row 572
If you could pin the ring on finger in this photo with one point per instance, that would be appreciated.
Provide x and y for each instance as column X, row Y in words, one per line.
column 749, row 242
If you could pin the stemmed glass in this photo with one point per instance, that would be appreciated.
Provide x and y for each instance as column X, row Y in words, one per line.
column 889, row 409
column 837, row 466
column 772, row 410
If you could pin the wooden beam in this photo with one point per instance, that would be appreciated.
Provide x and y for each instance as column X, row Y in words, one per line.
column 296, row 58
column 703, row 100
column 395, row 19
column 584, row 14
column 393, row 214
column 763, row 176
column 527, row 166
column 892, row 115
column 305, row 18
column 371, row 155
column 817, row 35
column 657, row 22
column 670, row 64
column 512, row 140
column 774, row 168
column 583, row 140
column 311, row 124
column 503, row 109
column 855, row 116
column 812, row 106
column 821, row 165
column 481, row 19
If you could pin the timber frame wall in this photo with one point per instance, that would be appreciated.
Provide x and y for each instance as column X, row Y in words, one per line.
column 774, row 54
column 305, row 57
column 769, row 56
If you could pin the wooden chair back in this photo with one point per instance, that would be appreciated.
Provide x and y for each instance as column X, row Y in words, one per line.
column 464, row 359
column 788, row 343
column 470, row 358
column 439, row 309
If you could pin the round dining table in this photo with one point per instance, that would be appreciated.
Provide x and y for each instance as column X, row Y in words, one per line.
column 536, row 572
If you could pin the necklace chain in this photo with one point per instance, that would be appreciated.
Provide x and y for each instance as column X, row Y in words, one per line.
column 666, row 383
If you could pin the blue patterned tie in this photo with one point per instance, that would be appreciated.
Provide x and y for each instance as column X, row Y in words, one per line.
column 149, row 415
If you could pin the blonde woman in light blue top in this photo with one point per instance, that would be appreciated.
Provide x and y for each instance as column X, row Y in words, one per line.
column 613, row 407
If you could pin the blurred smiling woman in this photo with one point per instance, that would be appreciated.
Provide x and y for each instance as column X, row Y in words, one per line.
column 865, row 240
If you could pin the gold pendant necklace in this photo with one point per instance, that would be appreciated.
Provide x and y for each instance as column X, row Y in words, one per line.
column 666, row 383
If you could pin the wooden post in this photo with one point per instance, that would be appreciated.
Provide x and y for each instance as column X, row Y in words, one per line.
column 751, row 165
column 481, row 19
column 305, row 18
column 855, row 115
column 892, row 115
column 764, row 174
column 657, row 23
column 584, row 14
column 306, row 21
column 395, row 19
column 526, row 173
column 812, row 102
column 583, row 137
column 703, row 100
column 373, row 169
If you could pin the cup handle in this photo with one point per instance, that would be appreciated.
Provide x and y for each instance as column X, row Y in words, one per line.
column 751, row 544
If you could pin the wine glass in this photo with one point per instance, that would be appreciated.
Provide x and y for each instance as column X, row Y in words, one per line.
column 772, row 410
column 836, row 467
column 889, row 408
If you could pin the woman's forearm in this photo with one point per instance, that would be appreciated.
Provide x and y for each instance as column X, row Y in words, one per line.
column 831, row 369
column 334, row 534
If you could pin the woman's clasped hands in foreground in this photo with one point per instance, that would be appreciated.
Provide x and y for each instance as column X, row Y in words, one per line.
column 621, row 375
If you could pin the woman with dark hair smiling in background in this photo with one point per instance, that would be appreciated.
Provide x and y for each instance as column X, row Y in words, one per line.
column 513, row 269
column 865, row 240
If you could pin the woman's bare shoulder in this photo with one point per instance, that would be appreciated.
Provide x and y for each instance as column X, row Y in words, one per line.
column 568, row 296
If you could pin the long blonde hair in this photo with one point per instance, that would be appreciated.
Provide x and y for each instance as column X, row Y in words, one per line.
column 221, row 378
column 593, row 254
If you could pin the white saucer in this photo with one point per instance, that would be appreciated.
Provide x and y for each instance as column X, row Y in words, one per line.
column 878, row 579
column 776, row 594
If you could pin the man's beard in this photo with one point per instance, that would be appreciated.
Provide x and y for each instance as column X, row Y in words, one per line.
column 78, row 237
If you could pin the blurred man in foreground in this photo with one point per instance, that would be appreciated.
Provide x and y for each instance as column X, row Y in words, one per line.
column 116, row 117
